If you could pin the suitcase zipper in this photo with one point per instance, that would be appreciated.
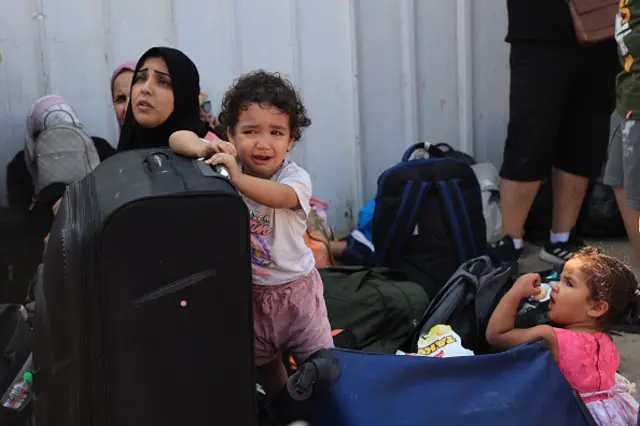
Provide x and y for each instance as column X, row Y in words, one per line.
column 82, row 212
column 88, row 243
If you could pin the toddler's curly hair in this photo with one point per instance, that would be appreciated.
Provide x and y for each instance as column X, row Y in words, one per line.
column 264, row 88
column 611, row 280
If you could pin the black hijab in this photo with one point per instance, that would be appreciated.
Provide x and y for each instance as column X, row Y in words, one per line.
column 185, row 82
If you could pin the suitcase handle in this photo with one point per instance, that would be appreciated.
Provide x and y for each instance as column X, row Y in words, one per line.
column 432, row 150
column 217, row 170
column 158, row 163
column 222, row 171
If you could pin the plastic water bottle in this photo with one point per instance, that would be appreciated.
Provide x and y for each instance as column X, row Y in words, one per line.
column 19, row 393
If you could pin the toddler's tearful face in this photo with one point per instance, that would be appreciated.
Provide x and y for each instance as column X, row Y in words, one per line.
column 262, row 138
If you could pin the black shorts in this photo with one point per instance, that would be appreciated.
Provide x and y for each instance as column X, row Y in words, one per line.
column 560, row 101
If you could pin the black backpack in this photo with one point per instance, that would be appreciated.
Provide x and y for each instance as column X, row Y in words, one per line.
column 15, row 349
column 428, row 217
column 466, row 303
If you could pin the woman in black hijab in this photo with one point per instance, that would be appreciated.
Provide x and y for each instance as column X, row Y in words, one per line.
column 164, row 99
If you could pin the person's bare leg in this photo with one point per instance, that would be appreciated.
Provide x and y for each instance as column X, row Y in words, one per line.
column 631, row 219
column 568, row 195
column 273, row 377
column 516, row 199
column 337, row 247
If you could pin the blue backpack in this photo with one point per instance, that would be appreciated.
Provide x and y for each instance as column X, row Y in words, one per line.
column 428, row 217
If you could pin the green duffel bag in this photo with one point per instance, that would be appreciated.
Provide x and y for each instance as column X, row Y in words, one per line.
column 379, row 305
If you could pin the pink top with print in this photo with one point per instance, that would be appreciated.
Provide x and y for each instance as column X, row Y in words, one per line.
column 589, row 361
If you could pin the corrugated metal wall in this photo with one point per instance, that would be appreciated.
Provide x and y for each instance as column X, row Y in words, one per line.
column 376, row 75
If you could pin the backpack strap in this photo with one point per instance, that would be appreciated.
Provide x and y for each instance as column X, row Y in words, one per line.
column 403, row 224
column 458, row 217
column 444, row 147
column 411, row 149
column 432, row 150
column 474, row 252
column 455, row 294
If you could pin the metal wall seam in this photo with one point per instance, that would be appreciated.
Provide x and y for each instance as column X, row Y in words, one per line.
column 357, row 187
column 172, row 40
column 235, row 36
column 464, row 47
column 295, row 37
column 108, row 56
column 409, row 69
column 40, row 16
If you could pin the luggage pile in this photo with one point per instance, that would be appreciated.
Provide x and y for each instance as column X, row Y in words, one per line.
column 416, row 282
column 141, row 310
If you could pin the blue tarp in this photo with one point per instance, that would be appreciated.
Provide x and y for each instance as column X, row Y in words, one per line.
column 522, row 387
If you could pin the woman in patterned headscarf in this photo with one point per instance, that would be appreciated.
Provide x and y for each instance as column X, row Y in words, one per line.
column 46, row 112
column 121, row 89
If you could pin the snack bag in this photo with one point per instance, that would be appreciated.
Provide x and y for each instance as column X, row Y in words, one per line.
column 543, row 298
column 318, row 216
column 319, row 235
column 442, row 342
column 534, row 310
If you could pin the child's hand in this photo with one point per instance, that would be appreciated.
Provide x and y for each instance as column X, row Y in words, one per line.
column 226, row 160
column 208, row 150
column 527, row 286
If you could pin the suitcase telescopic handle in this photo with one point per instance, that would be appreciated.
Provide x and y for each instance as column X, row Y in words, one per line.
column 158, row 163
column 207, row 170
column 222, row 171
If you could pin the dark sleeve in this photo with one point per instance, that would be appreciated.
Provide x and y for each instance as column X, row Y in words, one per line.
column 104, row 148
column 19, row 182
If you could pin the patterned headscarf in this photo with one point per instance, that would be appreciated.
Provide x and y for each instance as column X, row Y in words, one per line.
column 126, row 66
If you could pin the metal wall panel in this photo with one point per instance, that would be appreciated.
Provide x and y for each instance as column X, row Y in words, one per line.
column 431, row 70
column 376, row 75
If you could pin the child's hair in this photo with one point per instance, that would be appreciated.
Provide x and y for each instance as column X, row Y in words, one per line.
column 264, row 88
column 610, row 280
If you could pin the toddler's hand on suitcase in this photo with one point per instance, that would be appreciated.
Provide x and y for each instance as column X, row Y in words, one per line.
column 215, row 147
column 527, row 286
column 226, row 160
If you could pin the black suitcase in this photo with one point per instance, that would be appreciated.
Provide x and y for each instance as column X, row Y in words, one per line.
column 143, row 305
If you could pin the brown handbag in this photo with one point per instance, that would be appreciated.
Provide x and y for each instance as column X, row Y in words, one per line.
column 593, row 20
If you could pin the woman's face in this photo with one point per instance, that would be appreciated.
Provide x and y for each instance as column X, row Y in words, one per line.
column 152, row 93
column 121, row 90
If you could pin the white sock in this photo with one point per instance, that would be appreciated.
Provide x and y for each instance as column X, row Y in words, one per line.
column 517, row 243
column 560, row 237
